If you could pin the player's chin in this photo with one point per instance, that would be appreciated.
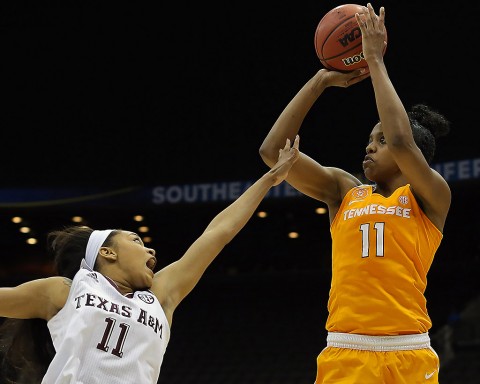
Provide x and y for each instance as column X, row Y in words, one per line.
column 150, row 276
column 146, row 280
column 369, row 174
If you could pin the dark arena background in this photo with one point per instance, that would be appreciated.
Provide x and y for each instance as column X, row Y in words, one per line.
column 115, row 110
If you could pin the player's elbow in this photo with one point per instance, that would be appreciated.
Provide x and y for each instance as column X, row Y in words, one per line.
column 269, row 154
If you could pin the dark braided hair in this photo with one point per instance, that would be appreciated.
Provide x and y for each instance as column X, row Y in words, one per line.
column 26, row 347
column 427, row 125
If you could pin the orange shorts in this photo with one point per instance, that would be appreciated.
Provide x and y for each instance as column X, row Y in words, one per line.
column 353, row 366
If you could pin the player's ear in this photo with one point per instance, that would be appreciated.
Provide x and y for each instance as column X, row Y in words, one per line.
column 107, row 253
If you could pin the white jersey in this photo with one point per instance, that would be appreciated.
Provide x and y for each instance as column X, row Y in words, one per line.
column 101, row 336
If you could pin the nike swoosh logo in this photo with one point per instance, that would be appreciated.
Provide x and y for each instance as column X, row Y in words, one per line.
column 429, row 375
column 355, row 201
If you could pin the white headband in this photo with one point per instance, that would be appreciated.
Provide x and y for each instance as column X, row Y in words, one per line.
column 95, row 241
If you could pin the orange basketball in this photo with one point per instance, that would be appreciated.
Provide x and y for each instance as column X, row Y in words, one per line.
column 338, row 39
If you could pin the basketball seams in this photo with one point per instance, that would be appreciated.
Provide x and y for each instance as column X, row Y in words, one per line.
column 326, row 39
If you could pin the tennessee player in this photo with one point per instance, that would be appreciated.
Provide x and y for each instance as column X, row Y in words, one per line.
column 384, row 234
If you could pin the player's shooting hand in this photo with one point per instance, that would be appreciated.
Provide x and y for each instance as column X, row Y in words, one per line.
column 374, row 38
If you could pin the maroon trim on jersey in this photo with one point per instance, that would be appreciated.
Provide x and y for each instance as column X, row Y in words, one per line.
column 114, row 285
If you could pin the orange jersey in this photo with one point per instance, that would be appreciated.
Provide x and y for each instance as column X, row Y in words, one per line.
column 382, row 249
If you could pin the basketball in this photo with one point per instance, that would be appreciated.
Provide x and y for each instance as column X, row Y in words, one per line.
column 338, row 39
